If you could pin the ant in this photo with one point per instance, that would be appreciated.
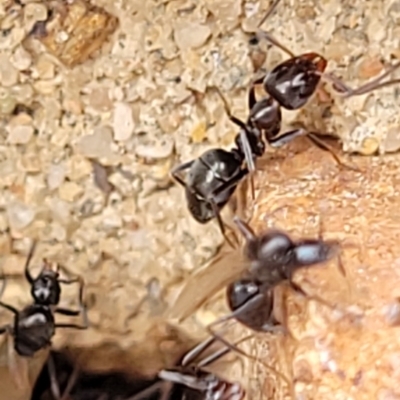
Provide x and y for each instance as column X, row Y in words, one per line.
column 195, row 377
column 291, row 84
column 266, row 261
column 34, row 325
column 213, row 177
column 270, row 259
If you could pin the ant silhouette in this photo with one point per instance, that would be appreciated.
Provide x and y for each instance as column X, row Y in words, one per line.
column 195, row 377
column 290, row 85
column 268, row 260
column 34, row 325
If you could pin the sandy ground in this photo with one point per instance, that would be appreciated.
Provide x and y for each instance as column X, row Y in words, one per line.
column 99, row 103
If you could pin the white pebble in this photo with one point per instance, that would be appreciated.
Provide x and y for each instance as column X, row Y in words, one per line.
column 19, row 215
column 191, row 36
column 123, row 123
column 20, row 134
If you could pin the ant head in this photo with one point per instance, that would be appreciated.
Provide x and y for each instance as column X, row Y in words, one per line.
column 45, row 288
column 309, row 252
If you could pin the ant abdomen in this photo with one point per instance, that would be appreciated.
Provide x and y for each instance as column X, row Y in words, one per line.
column 34, row 328
column 258, row 316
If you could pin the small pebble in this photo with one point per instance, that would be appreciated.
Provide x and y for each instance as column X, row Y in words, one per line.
column 55, row 176
column 19, row 215
column 20, row 134
column 191, row 36
column 98, row 144
column 8, row 74
column 70, row 191
column 123, row 123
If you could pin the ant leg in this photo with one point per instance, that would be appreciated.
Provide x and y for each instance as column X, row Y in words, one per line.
column 220, row 353
column 221, row 224
column 296, row 288
column 269, row 12
column 54, row 387
column 196, row 351
column 268, row 37
column 71, row 382
column 181, row 167
column 374, row 84
column 3, row 287
column 248, row 155
column 245, row 229
column 9, row 308
column 312, row 136
column 28, row 275
column 68, row 312
column 151, row 390
column 232, row 182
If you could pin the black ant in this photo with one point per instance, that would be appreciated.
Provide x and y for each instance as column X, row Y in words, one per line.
column 213, row 177
column 195, row 377
column 34, row 325
column 269, row 259
column 291, row 84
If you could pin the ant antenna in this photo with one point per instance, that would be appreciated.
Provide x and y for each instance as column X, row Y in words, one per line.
column 269, row 12
column 32, row 250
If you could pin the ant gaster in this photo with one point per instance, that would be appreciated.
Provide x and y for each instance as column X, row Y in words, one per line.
column 34, row 325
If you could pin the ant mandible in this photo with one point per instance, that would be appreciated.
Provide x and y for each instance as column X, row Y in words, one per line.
column 34, row 325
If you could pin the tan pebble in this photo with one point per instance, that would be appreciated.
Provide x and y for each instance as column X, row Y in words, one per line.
column 78, row 167
column 369, row 146
column 123, row 123
column 23, row 93
column 98, row 144
column 392, row 140
column 5, row 244
column 45, row 87
column 70, row 191
column 20, row 129
column 8, row 74
column 302, row 371
column 198, row 134
column 191, row 36
column 7, row 101
column 35, row 12
column 44, row 68
column 370, row 67
column 20, row 134
column 99, row 99
column 72, row 105
column 21, row 59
